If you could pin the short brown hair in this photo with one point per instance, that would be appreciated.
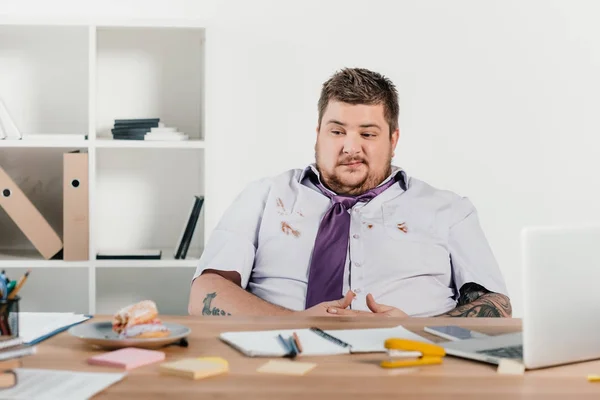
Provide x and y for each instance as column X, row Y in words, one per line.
column 361, row 86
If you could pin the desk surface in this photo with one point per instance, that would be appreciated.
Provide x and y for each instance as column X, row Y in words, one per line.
column 344, row 377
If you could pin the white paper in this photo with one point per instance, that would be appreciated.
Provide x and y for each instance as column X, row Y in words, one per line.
column 372, row 340
column 45, row 384
column 34, row 325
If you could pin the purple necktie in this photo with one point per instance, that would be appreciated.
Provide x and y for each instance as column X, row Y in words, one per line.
column 326, row 273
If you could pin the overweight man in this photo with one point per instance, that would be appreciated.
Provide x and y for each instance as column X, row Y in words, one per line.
column 351, row 234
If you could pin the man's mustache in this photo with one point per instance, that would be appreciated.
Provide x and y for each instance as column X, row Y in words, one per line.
column 351, row 160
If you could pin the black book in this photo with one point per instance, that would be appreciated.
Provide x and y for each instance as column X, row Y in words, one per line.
column 188, row 239
column 186, row 235
column 137, row 121
column 128, row 137
column 130, row 130
column 135, row 126
column 129, row 255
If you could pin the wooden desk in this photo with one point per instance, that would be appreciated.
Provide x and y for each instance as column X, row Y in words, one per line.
column 336, row 377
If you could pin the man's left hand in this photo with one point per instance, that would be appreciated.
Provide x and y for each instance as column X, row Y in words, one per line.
column 376, row 310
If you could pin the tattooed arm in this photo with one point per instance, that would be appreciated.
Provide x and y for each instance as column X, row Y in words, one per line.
column 219, row 293
column 477, row 301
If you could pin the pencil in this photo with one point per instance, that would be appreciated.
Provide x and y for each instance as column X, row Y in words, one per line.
column 13, row 294
column 297, row 341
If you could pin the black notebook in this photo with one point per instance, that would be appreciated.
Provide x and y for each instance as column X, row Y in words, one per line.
column 188, row 231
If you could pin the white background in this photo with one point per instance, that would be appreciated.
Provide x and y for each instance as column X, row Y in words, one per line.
column 499, row 100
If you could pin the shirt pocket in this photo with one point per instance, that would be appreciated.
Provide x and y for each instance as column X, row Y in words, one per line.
column 412, row 247
column 408, row 225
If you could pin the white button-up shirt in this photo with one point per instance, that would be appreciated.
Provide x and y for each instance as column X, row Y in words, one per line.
column 412, row 247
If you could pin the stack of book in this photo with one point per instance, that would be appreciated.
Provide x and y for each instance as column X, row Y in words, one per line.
column 145, row 129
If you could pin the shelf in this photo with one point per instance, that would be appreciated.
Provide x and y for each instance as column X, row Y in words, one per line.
column 167, row 260
column 64, row 85
column 143, row 144
column 33, row 259
column 57, row 143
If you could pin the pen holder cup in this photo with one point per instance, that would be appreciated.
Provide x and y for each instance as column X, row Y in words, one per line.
column 9, row 317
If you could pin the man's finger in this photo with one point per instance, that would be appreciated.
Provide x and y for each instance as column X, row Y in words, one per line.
column 345, row 301
column 373, row 305
column 345, row 312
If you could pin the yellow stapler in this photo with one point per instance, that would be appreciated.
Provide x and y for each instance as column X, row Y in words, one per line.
column 430, row 353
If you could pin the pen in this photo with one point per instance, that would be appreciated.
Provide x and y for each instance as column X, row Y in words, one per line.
column 293, row 345
column 327, row 336
column 19, row 286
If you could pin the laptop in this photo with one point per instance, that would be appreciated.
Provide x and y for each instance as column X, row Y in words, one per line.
column 561, row 307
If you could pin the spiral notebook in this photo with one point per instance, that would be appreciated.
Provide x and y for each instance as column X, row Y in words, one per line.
column 320, row 343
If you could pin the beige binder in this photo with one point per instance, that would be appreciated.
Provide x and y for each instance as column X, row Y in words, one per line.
column 28, row 218
column 76, row 222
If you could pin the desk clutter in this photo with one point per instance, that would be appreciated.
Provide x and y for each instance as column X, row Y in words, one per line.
column 283, row 351
column 9, row 288
column 143, row 341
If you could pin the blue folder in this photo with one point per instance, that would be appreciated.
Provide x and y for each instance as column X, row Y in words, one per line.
column 56, row 331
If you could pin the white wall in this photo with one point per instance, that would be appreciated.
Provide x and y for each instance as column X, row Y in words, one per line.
column 499, row 100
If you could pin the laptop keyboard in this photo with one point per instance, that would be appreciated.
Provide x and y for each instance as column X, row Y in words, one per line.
column 505, row 352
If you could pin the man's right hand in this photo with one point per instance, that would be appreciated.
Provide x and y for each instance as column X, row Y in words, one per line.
column 320, row 310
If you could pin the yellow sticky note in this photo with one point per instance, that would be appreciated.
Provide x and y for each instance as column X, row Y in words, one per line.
column 286, row 367
column 593, row 378
column 217, row 360
column 194, row 368
column 510, row 367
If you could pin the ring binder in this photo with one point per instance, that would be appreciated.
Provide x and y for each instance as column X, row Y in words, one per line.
column 27, row 217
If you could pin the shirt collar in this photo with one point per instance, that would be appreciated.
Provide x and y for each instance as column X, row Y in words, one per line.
column 402, row 177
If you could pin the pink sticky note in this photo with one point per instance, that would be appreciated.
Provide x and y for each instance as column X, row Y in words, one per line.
column 127, row 358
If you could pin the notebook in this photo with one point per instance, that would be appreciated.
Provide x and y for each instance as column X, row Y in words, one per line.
column 127, row 358
column 36, row 327
column 266, row 343
column 16, row 352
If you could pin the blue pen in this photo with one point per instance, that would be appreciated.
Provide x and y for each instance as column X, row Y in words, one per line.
column 289, row 351
column 295, row 349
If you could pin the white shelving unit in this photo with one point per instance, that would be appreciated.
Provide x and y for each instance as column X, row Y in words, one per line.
column 77, row 78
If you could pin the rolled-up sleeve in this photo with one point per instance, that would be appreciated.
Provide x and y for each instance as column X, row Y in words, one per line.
column 232, row 245
column 470, row 253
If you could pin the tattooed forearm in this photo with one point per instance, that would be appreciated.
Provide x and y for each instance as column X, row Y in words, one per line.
column 477, row 301
column 207, row 310
column 470, row 292
column 487, row 305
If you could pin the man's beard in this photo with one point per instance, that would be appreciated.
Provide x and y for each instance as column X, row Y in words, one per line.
column 336, row 184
